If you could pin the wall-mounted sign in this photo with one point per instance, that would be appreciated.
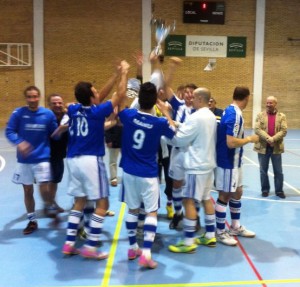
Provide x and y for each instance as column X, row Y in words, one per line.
column 205, row 46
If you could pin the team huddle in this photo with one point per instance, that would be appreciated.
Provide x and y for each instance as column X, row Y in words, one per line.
column 204, row 148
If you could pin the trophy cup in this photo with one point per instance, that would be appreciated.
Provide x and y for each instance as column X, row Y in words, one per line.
column 161, row 32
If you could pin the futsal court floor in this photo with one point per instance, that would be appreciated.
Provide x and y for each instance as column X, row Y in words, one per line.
column 272, row 258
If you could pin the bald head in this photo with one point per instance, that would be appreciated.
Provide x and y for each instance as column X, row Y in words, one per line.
column 201, row 97
column 271, row 104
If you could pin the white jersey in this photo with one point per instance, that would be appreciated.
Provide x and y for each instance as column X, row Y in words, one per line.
column 198, row 134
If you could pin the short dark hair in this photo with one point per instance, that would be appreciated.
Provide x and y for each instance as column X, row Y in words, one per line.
column 83, row 93
column 190, row 86
column 32, row 88
column 240, row 93
column 52, row 96
column 147, row 96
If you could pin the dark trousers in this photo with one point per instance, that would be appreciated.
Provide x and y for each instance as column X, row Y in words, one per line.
column 163, row 164
column 264, row 160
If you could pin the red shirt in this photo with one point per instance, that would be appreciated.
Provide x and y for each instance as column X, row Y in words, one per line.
column 271, row 124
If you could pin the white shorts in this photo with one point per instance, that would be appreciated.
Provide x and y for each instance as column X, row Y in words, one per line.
column 30, row 173
column 228, row 180
column 198, row 186
column 176, row 170
column 87, row 177
column 136, row 190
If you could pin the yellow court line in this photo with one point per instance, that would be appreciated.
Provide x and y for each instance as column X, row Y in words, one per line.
column 207, row 284
column 112, row 252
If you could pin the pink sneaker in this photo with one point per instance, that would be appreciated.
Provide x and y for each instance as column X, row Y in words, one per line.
column 134, row 253
column 69, row 250
column 92, row 253
column 147, row 262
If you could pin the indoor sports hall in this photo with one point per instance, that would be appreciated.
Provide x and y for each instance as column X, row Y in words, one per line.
column 54, row 44
column 269, row 259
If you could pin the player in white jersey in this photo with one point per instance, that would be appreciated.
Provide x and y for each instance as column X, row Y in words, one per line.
column 140, row 142
column 230, row 142
column 182, row 109
column 88, row 177
column 198, row 135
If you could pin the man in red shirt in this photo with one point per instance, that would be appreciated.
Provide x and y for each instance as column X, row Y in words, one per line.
column 271, row 127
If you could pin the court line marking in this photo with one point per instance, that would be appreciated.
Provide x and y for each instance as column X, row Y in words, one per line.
column 113, row 249
column 2, row 163
column 209, row 284
column 270, row 173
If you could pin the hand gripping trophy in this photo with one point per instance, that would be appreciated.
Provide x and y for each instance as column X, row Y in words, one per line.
column 161, row 32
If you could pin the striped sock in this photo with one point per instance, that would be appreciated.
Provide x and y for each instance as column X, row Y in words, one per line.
column 31, row 216
column 235, row 212
column 131, row 225
column 189, row 227
column 96, row 225
column 177, row 200
column 210, row 225
column 220, row 215
column 73, row 222
column 87, row 214
column 150, row 227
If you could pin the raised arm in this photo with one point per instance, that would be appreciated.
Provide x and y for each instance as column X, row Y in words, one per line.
column 104, row 92
column 174, row 63
column 122, row 86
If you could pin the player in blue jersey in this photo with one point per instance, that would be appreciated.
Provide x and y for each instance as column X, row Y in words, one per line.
column 88, row 176
column 140, row 143
column 230, row 142
column 198, row 134
column 29, row 128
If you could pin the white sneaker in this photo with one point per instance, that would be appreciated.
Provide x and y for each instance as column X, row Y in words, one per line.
column 225, row 238
column 241, row 231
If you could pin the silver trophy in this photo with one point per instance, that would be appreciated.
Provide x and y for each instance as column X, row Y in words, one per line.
column 161, row 32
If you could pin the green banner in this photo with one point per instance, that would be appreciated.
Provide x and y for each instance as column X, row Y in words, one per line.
column 236, row 47
column 175, row 45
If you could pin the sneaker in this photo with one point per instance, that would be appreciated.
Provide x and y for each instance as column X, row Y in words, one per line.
column 114, row 182
column 241, row 231
column 82, row 234
column 280, row 194
column 180, row 247
column 175, row 221
column 134, row 253
column 92, row 253
column 110, row 213
column 69, row 250
column 170, row 211
column 147, row 262
column 202, row 240
column 225, row 238
column 31, row 227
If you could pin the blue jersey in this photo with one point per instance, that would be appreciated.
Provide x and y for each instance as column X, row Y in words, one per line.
column 35, row 127
column 141, row 140
column 86, row 129
column 180, row 110
column 232, row 124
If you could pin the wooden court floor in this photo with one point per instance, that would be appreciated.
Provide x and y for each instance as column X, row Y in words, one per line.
column 272, row 258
